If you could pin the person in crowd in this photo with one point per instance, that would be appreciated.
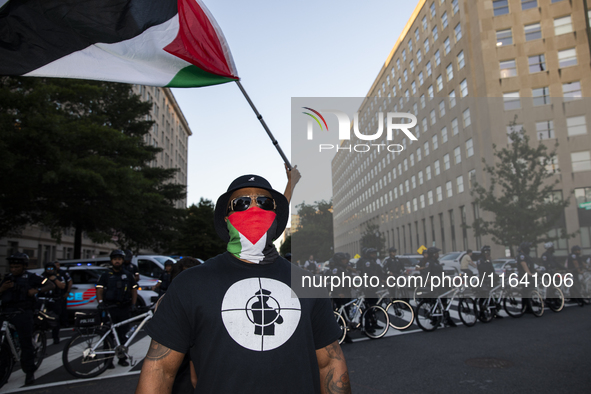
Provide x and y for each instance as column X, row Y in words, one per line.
column 129, row 266
column 238, row 312
column 434, row 268
column 466, row 262
column 116, row 290
column 311, row 265
column 64, row 298
column 164, row 279
column 55, row 297
column 17, row 294
column 574, row 265
column 549, row 260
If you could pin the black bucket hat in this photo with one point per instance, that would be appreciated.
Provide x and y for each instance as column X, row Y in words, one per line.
column 242, row 182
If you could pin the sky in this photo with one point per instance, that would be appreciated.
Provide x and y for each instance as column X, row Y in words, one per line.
column 281, row 50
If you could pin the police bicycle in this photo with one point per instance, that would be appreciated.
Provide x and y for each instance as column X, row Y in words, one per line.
column 430, row 311
column 355, row 315
column 92, row 349
column 10, row 348
column 400, row 313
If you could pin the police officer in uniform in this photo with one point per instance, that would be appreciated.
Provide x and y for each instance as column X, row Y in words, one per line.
column 55, row 296
column 525, row 265
column 434, row 268
column 129, row 267
column 394, row 267
column 550, row 262
column 117, row 288
column 165, row 279
column 17, row 292
column 370, row 267
column 486, row 267
column 574, row 265
column 66, row 293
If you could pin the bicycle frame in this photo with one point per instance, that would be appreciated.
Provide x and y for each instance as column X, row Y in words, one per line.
column 7, row 330
column 147, row 316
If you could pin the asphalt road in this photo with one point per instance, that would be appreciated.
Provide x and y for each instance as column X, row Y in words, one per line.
column 550, row 354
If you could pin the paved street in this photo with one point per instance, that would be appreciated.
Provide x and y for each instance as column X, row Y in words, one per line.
column 526, row 355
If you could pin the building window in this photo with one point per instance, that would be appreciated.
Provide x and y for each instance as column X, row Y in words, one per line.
column 444, row 135
column 420, row 177
column 422, row 200
column 405, row 73
column 430, row 197
column 452, row 99
column 433, row 117
column 425, row 128
column 467, row 119
column 426, row 148
column 430, row 92
column 511, row 101
column 428, row 173
column 422, row 101
column 439, row 192
column 533, row 32
column 421, row 79
column 426, row 44
column 458, row 32
column 428, row 68
column 444, row 20
column 581, row 161
column 541, row 96
column 571, row 90
column 437, row 58
column 432, row 8
column 450, row 72
column 439, row 83
column 464, row 88
column 527, row 4
column 567, row 58
column 437, row 167
column 398, row 64
column 455, row 6
column 460, row 184
column 500, row 7
column 434, row 141
column 410, row 45
column 576, row 125
column 461, row 62
column 552, row 165
column 417, row 36
column 404, row 54
column 472, row 179
column 545, row 130
column 457, row 155
column 504, row 37
column 446, row 46
column 413, row 87
column 563, row 25
column 449, row 188
column 412, row 160
column 419, row 56
column 454, row 126
column 435, row 34
column 425, row 23
column 412, row 66
column 446, row 162
column 413, row 180
column 508, row 68
column 469, row 148
column 537, row 63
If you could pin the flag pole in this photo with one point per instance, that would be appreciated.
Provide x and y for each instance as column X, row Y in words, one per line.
column 260, row 118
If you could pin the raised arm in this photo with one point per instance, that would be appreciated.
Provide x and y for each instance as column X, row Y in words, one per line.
column 159, row 370
column 293, row 177
column 334, row 376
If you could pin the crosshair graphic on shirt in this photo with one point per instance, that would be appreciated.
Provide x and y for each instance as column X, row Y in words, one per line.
column 260, row 314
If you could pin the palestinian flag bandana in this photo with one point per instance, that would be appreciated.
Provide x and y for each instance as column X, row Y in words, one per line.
column 249, row 235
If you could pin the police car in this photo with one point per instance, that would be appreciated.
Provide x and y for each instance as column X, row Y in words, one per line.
column 83, row 293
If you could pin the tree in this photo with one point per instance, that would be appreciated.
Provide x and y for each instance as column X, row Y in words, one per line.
column 314, row 234
column 77, row 159
column 372, row 238
column 285, row 246
column 520, row 194
column 197, row 235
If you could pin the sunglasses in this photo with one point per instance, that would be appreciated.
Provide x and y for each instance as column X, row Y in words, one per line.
column 242, row 203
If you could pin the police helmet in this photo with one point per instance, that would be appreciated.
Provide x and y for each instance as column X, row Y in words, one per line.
column 348, row 256
column 18, row 258
column 485, row 249
column 339, row 256
column 433, row 250
column 524, row 247
column 117, row 253
column 575, row 248
column 128, row 255
column 50, row 264
column 371, row 251
column 392, row 249
column 549, row 245
column 168, row 262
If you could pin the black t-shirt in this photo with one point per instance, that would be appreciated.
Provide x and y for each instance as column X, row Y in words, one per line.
column 245, row 329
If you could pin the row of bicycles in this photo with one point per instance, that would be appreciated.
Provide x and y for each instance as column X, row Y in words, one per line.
column 400, row 308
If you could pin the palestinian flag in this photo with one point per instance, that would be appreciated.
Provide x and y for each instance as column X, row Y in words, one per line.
column 173, row 43
column 250, row 237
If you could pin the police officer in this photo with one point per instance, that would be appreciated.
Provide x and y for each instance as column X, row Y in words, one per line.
column 165, row 279
column 394, row 267
column 525, row 266
column 434, row 268
column 486, row 267
column 55, row 296
column 17, row 292
column 129, row 267
column 66, row 293
column 574, row 265
column 550, row 262
column 370, row 267
column 117, row 289
column 339, row 267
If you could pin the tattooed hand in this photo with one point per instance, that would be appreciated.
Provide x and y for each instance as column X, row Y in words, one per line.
column 334, row 375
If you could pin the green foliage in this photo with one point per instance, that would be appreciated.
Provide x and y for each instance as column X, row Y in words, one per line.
column 285, row 246
column 197, row 235
column 520, row 194
column 314, row 234
column 372, row 238
column 75, row 157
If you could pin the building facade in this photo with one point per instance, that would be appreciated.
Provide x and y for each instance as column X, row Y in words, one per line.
column 470, row 71
column 170, row 132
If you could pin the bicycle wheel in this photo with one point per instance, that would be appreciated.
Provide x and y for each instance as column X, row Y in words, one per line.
column 79, row 359
column 555, row 299
column 39, row 345
column 376, row 322
column 342, row 326
column 6, row 364
column 537, row 303
column 467, row 311
column 514, row 305
column 485, row 313
column 400, row 314
column 429, row 314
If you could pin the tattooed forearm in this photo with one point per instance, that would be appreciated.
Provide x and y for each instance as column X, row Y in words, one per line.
column 340, row 386
column 334, row 351
column 157, row 351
